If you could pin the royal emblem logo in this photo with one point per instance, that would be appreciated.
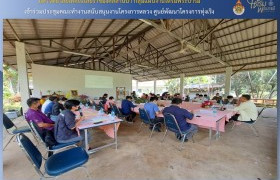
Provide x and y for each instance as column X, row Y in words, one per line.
column 238, row 9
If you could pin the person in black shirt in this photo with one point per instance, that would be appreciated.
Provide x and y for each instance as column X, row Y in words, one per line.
column 57, row 108
column 66, row 127
column 104, row 98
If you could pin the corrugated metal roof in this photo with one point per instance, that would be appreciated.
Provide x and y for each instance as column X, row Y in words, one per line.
column 148, row 52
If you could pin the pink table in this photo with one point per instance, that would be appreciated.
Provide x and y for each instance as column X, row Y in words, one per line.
column 108, row 124
column 210, row 121
column 191, row 106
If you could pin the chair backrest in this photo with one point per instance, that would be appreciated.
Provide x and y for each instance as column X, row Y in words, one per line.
column 260, row 112
column 111, row 106
column 101, row 104
column 31, row 151
column 37, row 131
column 116, row 110
column 144, row 116
column 7, row 122
column 171, row 123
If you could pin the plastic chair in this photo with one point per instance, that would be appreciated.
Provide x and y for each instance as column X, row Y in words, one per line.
column 12, row 129
column 39, row 134
column 57, row 164
column 146, row 120
column 251, row 124
column 172, row 125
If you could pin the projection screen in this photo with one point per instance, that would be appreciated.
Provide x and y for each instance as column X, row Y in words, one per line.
column 93, row 81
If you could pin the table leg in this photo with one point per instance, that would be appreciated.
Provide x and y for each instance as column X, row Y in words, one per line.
column 116, row 135
column 217, row 129
column 210, row 135
column 86, row 140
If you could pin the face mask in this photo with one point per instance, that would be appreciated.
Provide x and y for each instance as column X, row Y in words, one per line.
column 78, row 109
column 230, row 100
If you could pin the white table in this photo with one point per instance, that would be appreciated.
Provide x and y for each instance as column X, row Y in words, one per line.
column 90, row 123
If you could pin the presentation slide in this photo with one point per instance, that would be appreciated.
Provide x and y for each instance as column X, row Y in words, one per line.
column 93, row 81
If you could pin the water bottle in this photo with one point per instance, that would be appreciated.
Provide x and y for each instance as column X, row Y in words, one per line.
column 214, row 111
column 113, row 113
column 87, row 105
column 93, row 107
column 101, row 111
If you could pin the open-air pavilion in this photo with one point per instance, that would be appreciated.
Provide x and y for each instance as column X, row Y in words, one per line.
column 59, row 56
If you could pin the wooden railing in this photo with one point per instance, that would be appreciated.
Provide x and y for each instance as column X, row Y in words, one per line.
column 265, row 102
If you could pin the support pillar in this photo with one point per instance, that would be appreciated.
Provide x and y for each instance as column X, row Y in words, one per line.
column 136, row 86
column 182, row 85
column 22, row 74
column 228, row 81
column 155, row 86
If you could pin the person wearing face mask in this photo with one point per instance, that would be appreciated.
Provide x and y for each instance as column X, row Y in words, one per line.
column 34, row 114
column 230, row 100
column 246, row 110
column 66, row 127
column 57, row 108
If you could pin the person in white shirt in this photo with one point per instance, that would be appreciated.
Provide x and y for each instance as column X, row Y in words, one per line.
column 196, row 97
column 206, row 97
column 200, row 99
column 246, row 109
column 46, row 103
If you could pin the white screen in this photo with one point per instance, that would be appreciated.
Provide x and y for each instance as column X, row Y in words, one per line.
column 92, row 81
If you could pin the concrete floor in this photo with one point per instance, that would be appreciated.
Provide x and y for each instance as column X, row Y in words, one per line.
column 238, row 154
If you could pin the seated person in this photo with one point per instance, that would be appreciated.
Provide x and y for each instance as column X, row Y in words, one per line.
column 196, row 98
column 246, row 110
column 35, row 115
column 104, row 98
column 133, row 94
column 230, row 100
column 181, row 116
column 107, row 106
column 187, row 98
column 164, row 96
column 48, row 110
column 206, row 97
column 127, row 105
column 57, row 108
column 45, row 104
column 66, row 130
column 43, row 99
column 200, row 99
column 217, row 98
column 177, row 95
column 152, row 111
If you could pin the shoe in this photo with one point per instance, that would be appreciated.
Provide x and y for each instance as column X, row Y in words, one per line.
column 90, row 148
column 180, row 138
column 158, row 130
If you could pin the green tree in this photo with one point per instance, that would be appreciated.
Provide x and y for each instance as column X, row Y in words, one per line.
column 10, row 88
column 173, row 85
